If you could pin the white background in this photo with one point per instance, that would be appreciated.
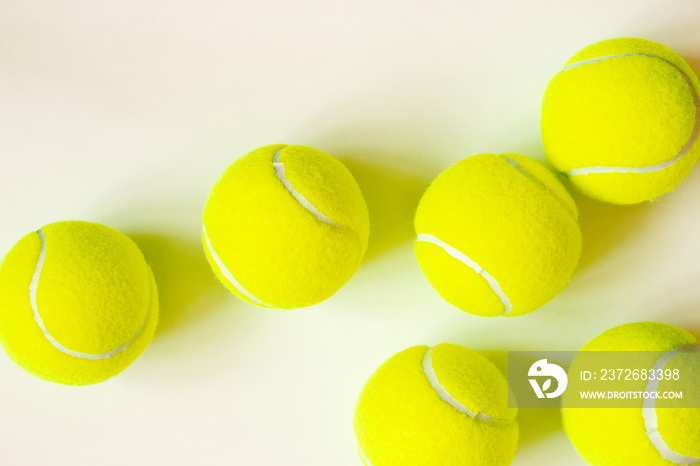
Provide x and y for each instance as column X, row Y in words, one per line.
column 125, row 113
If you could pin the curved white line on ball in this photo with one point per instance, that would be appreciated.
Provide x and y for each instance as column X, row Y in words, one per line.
column 227, row 273
column 363, row 457
column 446, row 396
column 651, row 423
column 37, row 317
column 460, row 256
column 279, row 171
column 650, row 168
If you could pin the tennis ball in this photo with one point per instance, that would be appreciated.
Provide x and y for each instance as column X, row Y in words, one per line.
column 439, row 406
column 78, row 303
column 497, row 235
column 621, row 120
column 650, row 434
column 285, row 226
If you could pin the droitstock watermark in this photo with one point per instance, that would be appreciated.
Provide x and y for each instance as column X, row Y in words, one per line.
column 604, row 379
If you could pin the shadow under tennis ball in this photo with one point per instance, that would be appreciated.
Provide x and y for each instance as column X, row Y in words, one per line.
column 535, row 424
column 604, row 226
column 693, row 329
column 694, row 62
column 183, row 277
column 392, row 196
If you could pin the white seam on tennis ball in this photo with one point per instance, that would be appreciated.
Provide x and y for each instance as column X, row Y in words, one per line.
column 445, row 395
column 649, row 168
column 37, row 317
column 651, row 423
column 515, row 164
column 362, row 455
column 279, row 171
column 460, row 256
column 227, row 273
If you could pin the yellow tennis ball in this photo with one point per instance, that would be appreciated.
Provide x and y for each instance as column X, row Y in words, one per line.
column 439, row 406
column 652, row 435
column 285, row 226
column 621, row 120
column 78, row 303
column 497, row 235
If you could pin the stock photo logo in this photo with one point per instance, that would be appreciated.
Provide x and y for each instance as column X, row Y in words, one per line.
column 546, row 372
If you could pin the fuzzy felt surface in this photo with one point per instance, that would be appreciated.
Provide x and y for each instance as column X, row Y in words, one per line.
column 274, row 247
column 518, row 223
column 626, row 111
column 401, row 420
column 94, row 294
column 617, row 436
